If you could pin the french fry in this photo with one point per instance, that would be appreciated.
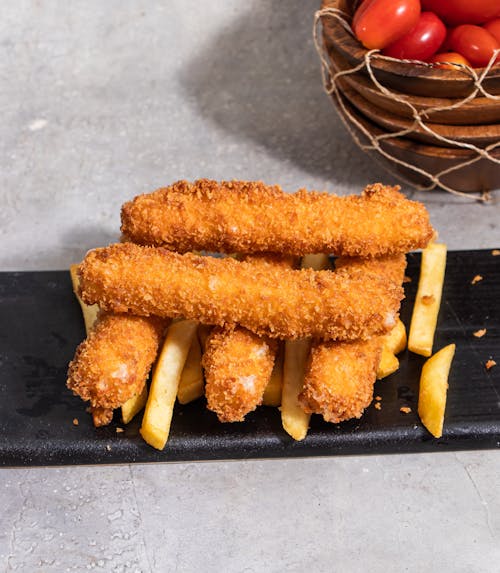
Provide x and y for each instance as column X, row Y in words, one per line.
column 394, row 343
column 426, row 309
column 89, row 311
column 388, row 364
column 293, row 418
column 395, row 340
column 191, row 384
column 433, row 389
column 274, row 388
column 164, row 384
column 134, row 405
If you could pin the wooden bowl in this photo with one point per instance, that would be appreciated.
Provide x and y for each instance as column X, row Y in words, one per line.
column 416, row 79
column 478, row 135
column 484, row 175
column 479, row 111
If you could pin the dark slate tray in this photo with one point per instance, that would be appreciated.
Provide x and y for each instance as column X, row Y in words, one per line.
column 41, row 325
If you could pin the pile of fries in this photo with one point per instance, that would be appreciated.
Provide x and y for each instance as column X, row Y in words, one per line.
column 178, row 372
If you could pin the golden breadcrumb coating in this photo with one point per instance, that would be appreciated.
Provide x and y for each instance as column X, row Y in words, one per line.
column 238, row 365
column 339, row 378
column 101, row 416
column 248, row 217
column 113, row 363
column 278, row 302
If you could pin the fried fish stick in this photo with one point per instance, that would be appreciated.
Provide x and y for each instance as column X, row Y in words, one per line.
column 238, row 366
column 113, row 363
column 249, row 217
column 339, row 379
column 277, row 302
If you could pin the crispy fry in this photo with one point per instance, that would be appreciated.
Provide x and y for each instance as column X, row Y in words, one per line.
column 294, row 419
column 388, row 364
column 393, row 343
column 347, row 304
column 165, row 381
column 395, row 340
column 134, row 405
column 239, row 216
column 191, row 384
column 433, row 390
column 89, row 312
column 428, row 300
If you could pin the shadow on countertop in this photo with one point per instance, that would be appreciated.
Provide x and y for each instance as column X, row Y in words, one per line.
column 260, row 79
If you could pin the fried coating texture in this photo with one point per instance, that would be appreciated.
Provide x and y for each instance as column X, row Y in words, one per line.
column 113, row 363
column 278, row 302
column 339, row 378
column 238, row 365
column 249, row 217
column 101, row 416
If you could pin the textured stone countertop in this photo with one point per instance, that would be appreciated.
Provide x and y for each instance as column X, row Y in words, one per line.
column 104, row 100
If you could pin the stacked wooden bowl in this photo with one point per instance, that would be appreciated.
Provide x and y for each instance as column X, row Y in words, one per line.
column 476, row 123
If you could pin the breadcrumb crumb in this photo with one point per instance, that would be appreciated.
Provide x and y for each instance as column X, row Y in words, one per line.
column 479, row 333
column 495, row 252
column 119, row 430
column 476, row 279
column 75, row 422
column 405, row 409
column 378, row 398
column 489, row 364
column 378, row 406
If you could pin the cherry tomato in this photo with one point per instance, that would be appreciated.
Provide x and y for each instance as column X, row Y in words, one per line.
column 378, row 23
column 474, row 43
column 493, row 27
column 445, row 60
column 455, row 12
column 421, row 42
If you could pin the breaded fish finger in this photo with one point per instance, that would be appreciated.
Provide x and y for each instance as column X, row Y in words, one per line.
column 340, row 376
column 281, row 303
column 249, row 217
column 339, row 379
column 238, row 365
column 113, row 363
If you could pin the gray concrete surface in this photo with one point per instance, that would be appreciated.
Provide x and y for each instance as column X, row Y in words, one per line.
column 104, row 100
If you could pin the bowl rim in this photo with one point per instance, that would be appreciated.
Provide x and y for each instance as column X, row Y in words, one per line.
column 423, row 70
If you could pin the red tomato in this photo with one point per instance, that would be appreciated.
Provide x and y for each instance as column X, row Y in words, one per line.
column 493, row 28
column 474, row 43
column 378, row 23
column 444, row 60
column 463, row 11
column 421, row 42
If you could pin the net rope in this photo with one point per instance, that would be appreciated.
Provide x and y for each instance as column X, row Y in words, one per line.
column 331, row 73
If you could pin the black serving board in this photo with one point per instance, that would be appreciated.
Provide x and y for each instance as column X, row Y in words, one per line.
column 41, row 325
